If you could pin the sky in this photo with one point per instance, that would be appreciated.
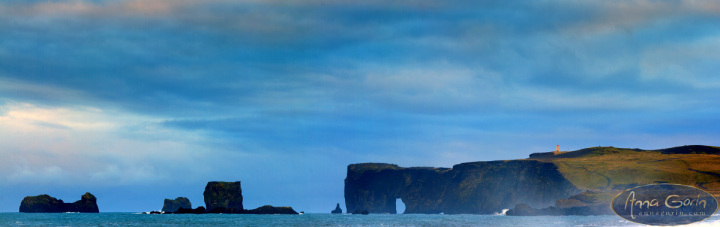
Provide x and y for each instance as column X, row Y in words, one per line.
column 136, row 101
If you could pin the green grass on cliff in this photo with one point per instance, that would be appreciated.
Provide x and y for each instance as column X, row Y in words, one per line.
column 609, row 168
column 362, row 167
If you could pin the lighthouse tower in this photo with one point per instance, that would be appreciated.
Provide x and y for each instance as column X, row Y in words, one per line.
column 557, row 149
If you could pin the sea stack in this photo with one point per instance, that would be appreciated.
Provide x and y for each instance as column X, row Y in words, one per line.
column 49, row 204
column 172, row 205
column 223, row 197
column 337, row 209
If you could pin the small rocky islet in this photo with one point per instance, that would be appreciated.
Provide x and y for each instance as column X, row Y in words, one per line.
column 337, row 209
column 172, row 205
column 220, row 198
column 48, row 204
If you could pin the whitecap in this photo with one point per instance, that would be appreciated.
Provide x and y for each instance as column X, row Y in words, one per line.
column 503, row 212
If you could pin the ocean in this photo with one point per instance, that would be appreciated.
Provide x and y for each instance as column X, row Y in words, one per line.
column 139, row 219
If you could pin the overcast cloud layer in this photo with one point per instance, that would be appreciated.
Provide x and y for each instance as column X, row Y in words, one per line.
column 137, row 101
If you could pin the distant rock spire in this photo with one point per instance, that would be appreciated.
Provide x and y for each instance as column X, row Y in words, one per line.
column 337, row 209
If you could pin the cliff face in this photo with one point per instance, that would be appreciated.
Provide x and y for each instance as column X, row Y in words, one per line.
column 223, row 197
column 172, row 205
column 471, row 188
column 585, row 203
column 49, row 204
column 489, row 187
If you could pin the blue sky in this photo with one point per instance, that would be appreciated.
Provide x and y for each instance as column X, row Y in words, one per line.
column 138, row 101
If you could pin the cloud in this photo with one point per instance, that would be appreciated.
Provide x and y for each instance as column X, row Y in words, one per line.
column 63, row 145
column 236, row 63
column 96, row 8
column 688, row 64
column 433, row 89
column 132, row 93
column 242, row 49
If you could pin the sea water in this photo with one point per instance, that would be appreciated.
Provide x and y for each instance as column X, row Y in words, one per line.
column 139, row 219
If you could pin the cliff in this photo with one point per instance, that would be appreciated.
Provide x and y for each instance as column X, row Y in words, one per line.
column 585, row 203
column 489, row 187
column 172, row 205
column 49, row 204
column 472, row 188
column 223, row 197
column 594, row 209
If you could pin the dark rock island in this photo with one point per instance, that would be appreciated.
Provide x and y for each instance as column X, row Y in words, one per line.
column 49, row 204
column 267, row 209
column 223, row 197
column 337, row 209
column 198, row 210
column 172, row 205
column 220, row 197
column 226, row 197
column 581, row 182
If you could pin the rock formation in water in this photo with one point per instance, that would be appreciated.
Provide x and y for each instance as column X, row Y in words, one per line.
column 182, row 210
column 226, row 197
column 86, row 204
column 41, row 204
column 49, row 204
column 220, row 197
column 472, row 188
column 267, row 209
column 223, row 197
column 172, row 205
column 337, row 209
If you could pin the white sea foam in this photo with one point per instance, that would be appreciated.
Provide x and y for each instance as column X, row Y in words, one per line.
column 503, row 212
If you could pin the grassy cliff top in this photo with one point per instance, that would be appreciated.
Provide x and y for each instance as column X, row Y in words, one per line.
column 610, row 168
column 363, row 167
